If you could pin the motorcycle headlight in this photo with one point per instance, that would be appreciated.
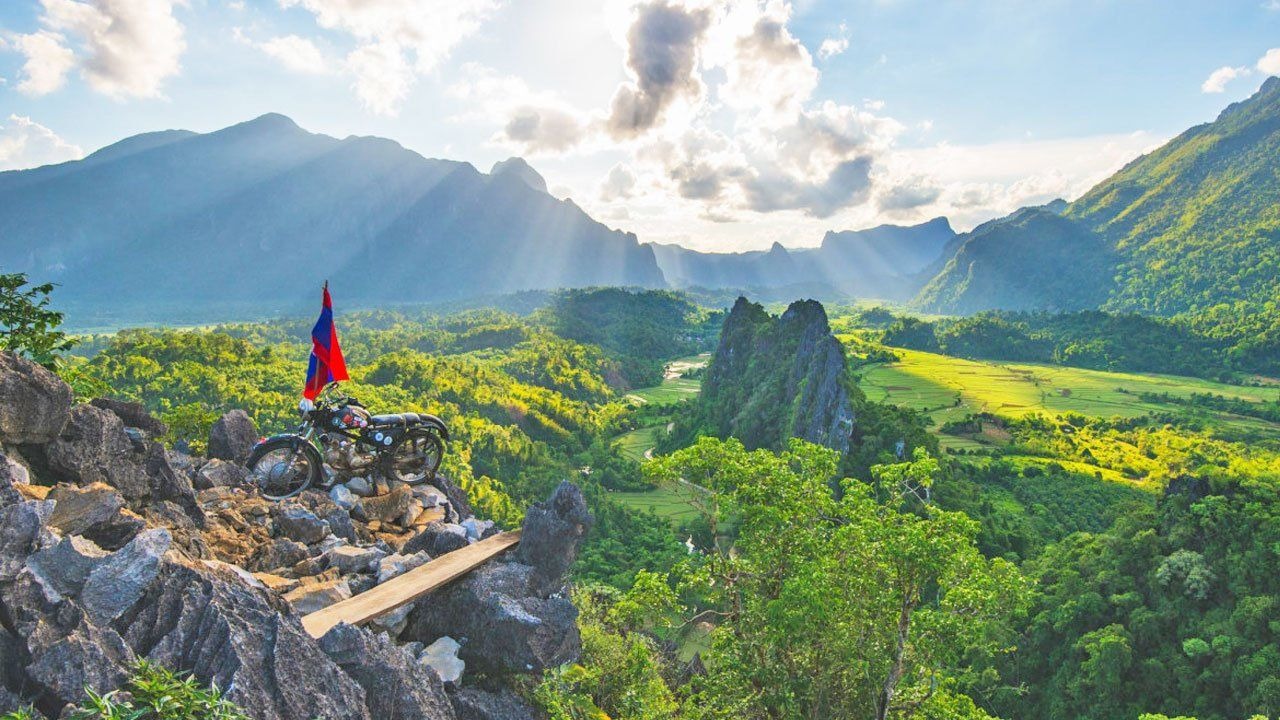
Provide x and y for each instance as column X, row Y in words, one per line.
column 305, row 407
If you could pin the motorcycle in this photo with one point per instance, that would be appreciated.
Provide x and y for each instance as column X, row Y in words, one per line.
column 338, row 431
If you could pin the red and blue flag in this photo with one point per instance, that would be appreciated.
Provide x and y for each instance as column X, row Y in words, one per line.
column 327, row 364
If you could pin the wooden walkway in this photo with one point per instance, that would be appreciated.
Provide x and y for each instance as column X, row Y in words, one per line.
column 406, row 588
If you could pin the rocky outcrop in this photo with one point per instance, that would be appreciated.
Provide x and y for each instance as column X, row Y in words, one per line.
column 771, row 379
column 232, row 437
column 34, row 403
column 133, row 415
column 117, row 559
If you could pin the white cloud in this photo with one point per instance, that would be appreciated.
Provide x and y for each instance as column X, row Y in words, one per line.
column 295, row 53
column 382, row 76
column 619, row 184
column 47, row 62
column 1218, row 79
column 1270, row 63
column 124, row 48
column 397, row 40
column 837, row 45
column 26, row 144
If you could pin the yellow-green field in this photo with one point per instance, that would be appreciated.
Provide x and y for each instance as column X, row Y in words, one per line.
column 670, row 503
column 674, row 387
column 949, row 388
column 637, row 443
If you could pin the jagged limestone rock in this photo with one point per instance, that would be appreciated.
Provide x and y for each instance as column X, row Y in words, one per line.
column 34, row 403
column 232, row 437
column 396, row 687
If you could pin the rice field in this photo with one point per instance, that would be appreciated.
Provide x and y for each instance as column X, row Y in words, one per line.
column 637, row 443
column 674, row 387
column 949, row 388
column 670, row 503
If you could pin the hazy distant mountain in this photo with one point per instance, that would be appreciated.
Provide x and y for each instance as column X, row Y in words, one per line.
column 1188, row 227
column 258, row 214
column 882, row 262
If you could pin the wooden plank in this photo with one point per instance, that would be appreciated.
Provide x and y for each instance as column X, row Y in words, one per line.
column 408, row 587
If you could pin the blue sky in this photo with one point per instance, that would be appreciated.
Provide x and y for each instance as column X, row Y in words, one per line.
column 719, row 124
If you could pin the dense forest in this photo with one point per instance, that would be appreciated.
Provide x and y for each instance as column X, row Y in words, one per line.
column 1072, row 566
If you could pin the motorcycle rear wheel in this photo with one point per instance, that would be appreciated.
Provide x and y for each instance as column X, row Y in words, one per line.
column 284, row 467
column 415, row 457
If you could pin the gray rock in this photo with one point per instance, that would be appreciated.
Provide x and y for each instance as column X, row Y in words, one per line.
column 318, row 595
column 133, row 415
column 359, row 486
column 12, row 474
column 392, row 508
column 507, row 629
column 342, row 497
column 298, row 523
column 436, row 539
column 80, row 508
column 94, row 447
column 23, row 532
column 232, row 437
column 351, row 559
column 117, row 582
column 220, row 473
column 398, row 564
column 475, row 529
column 73, row 655
column 226, row 632
column 551, row 533
column 66, row 566
column 442, row 656
column 34, row 403
column 478, row 704
column 459, row 505
column 340, row 525
column 168, row 484
column 396, row 687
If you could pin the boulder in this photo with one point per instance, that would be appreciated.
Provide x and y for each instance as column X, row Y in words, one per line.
column 342, row 497
column 351, row 559
column 395, row 686
column 94, row 447
column 359, row 487
column 317, row 596
column 232, row 437
column 168, row 484
column 442, row 656
column 551, row 533
column 34, row 403
column 476, row 529
column 478, row 704
column 275, row 582
column 436, row 539
column 298, row 523
column 117, row 582
column 340, row 525
column 279, row 553
column 220, row 473
column 505, row 627
column 66, row 566
column 23, row 532
column 398, row 564
column 458, row 501
column 133, row 415
column 12, row 475
column 79, row 509
column 392, row 508
column 227, row 632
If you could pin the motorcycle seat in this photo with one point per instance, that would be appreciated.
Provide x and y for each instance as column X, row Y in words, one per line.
column 395, row 419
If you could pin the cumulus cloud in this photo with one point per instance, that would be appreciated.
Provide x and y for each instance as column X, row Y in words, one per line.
column 296, row 53
column 908, row 196
column 662, row 55
column 543, row 129
column 397, row 40
column 619, row 184
column 1270, row 63
column 27, row 144
column 835, row 45
column 123, row 48
column 1218, row 79
column 48, row 61
column 849, row 182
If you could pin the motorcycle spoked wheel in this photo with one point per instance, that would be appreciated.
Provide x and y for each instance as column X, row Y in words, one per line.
column 414, row 457
column 283, row 468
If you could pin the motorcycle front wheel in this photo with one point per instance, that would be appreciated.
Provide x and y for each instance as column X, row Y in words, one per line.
column 284, row 467
column 415, row 457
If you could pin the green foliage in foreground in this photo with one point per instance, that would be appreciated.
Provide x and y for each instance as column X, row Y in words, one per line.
column 153, row 693
column 27, row 325
column 851, row 607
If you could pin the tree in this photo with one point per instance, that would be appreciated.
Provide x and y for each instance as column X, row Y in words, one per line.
column 846, row 607
column 27, row 325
